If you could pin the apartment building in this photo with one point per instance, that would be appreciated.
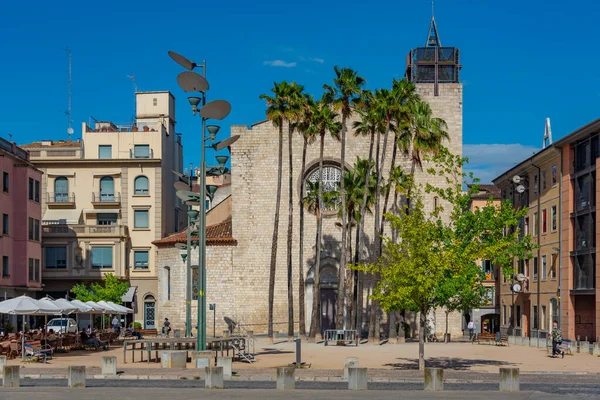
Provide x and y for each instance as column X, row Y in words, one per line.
column 107, row 197
column 487, row 317
column 530, row 298
column 20, row 216
column 580, row 277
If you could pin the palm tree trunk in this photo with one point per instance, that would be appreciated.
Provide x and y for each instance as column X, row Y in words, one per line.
column 301, row 301
column 359, row 233
column 374, row 334
column 315, row 323
column 349, row 282
column 273, row 266
column 289, row 237
column 341, row 303
column 387, row 192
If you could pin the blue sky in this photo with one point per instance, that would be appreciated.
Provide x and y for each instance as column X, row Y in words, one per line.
column 522, row 61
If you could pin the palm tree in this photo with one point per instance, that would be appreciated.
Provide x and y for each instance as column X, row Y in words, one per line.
column 277, row 113
column 346, row 87
column 405, row 97
column 427, row 136
column 323, row 121
column 369, row 124
column 302, row 125
column 293, row 114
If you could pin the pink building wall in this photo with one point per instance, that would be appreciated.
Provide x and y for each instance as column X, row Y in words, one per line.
column 16, row 204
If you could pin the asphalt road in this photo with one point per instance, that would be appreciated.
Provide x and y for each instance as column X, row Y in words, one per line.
column 258, row 394
column 589, row 390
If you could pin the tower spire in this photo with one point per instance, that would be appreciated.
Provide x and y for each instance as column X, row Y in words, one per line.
column 433, row 39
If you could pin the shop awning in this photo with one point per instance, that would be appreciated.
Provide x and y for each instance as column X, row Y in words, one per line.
column 99, row 211
column 56, row 216
column 128, row 297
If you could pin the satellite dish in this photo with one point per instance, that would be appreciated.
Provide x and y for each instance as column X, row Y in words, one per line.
column 520, row 189
column 521, row 277
column 70, row 131
column 216, row 109
column 516, row 179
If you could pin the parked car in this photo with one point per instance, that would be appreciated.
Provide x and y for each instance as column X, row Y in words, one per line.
column 62, row 325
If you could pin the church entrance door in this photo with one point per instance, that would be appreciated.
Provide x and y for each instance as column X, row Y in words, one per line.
column 328, row 308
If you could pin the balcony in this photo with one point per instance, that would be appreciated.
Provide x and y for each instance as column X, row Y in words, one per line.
column 106, row 199
column 141, row 153
column 85, row 230
column 60, row 199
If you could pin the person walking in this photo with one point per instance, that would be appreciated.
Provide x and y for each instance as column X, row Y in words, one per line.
column 556, row 340
column 471, row 327
column 166, row 327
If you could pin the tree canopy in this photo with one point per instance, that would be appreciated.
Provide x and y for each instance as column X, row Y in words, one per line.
column 109, row 289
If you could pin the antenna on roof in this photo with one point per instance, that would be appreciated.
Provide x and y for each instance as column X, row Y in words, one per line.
column 547, row 134
column 135, row 89
column 68, row 112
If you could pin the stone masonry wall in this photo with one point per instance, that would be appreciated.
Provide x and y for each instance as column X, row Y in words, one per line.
column 223, row 281
column 254, row 177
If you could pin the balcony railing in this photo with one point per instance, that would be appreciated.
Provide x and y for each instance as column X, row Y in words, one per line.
column 60, row 198
column 91, row 230
column 109, row 198
column 141, row 153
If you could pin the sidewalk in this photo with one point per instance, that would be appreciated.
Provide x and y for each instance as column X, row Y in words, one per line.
column 257, row 394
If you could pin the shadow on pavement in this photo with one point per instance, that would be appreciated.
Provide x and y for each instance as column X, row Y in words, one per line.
column 267, row 351
column 460, row 364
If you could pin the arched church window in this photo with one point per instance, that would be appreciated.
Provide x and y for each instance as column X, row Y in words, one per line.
column 331, row 176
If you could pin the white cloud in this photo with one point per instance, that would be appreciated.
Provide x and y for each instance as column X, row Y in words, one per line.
column 317, row 60
column 487, row 161
column 279, row 63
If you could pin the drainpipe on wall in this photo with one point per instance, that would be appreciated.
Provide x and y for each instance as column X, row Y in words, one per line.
column 539, row 250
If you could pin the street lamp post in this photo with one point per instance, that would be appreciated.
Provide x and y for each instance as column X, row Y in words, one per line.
column 190, row 81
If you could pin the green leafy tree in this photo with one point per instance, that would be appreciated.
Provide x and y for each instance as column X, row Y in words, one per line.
column 421, row 270
column 109, row 289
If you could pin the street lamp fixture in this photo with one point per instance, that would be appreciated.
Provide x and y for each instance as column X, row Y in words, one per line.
column 222, row 160
column 217, row 110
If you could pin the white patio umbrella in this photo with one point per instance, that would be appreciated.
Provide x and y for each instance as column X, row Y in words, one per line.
column 66, row 306
column 121, row 308
column 25, row 305
column 82, row 307
column 110, row 308
column 96, row 307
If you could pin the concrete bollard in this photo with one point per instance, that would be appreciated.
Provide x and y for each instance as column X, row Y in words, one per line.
column 351, row 362
column 177, row 333
column 213, row 378
column 173, row 359
column 275, row 335
column 76, row 376
column 434, row 379
column 511, row 340
column 2, row 364
column 543, row 343
column 226, row 363
column 596, row 349
column 286, row 378
column 509, row 379
column 524, row 341
column 12, row 376
column 357, row 378
column 207, row 356
column 584, row 345
column 109, row 365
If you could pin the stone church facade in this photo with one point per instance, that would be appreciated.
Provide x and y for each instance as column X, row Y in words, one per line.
column 238, row 274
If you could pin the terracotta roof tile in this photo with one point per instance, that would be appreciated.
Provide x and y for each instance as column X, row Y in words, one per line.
column 61, row 144
column 216, row 235
column 487, row 190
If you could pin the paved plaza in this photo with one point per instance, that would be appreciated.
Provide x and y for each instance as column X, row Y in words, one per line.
column 388, row 359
